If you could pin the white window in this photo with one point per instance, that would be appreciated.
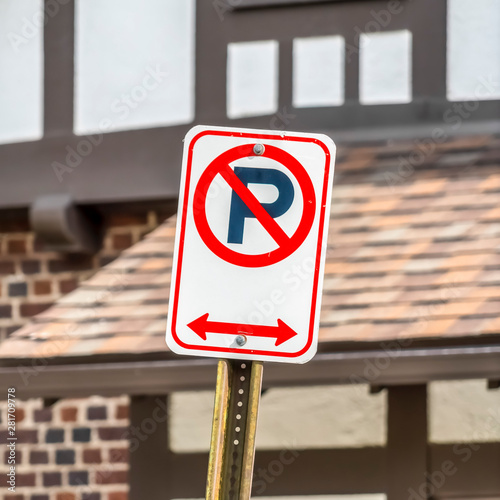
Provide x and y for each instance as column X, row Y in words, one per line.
column 318, row 71
column 385, row 67
column 21, row 74
column 252, row 79
column 473, row 59
column 134, row 65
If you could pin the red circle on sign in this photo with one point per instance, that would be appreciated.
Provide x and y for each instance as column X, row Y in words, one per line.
column 287, row 245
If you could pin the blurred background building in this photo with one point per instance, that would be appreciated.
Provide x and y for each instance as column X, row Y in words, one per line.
column 95, row 99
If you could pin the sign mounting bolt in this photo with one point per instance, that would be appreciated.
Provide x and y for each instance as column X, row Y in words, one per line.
column 241, row 340
column 259, row 149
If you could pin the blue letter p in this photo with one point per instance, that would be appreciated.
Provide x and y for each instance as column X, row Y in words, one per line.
column 239, row 211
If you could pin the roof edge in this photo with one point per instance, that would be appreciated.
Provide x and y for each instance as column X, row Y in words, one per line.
column 380, row 368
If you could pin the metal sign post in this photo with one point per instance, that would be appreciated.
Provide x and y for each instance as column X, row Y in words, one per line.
column 232, row 448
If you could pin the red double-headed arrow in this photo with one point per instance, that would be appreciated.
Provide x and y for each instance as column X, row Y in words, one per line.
column 281, row 333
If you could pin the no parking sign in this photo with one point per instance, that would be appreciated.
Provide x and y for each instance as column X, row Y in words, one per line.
column 250, row 244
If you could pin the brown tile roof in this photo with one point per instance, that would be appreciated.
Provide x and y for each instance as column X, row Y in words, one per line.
column 414, row 253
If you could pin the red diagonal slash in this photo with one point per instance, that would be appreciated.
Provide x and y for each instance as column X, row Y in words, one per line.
column 249, row 199
column 281, row 333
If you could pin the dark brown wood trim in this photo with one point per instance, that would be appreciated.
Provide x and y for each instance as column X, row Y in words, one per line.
column 406, row 442
column 137, row 165
column 150, row 476
column 253, row 4
column 286, row 472
column 351, row 67
column 429, row 50
column 36, row 378
column 463, row 471
column 342, row 471
column 59, row 46
column 285, row 87
column 319, row 472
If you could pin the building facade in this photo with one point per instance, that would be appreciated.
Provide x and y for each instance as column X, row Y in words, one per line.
column 95, row 98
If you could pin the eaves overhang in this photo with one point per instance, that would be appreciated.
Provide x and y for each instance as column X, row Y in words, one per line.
column 377, row 368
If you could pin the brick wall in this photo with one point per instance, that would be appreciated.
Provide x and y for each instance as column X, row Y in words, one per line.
column 31, row 279
column 73, row 450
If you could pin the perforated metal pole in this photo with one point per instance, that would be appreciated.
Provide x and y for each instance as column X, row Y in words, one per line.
column 232, row 449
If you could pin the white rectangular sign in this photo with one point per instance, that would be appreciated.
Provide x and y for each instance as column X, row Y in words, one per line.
column 250, row 244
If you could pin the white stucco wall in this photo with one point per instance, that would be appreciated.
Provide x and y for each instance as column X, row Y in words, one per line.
column 21, row 75
column 134, row 64
column 464, row 411
column 313, row 417
column 473, row 50
column 342, row 416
